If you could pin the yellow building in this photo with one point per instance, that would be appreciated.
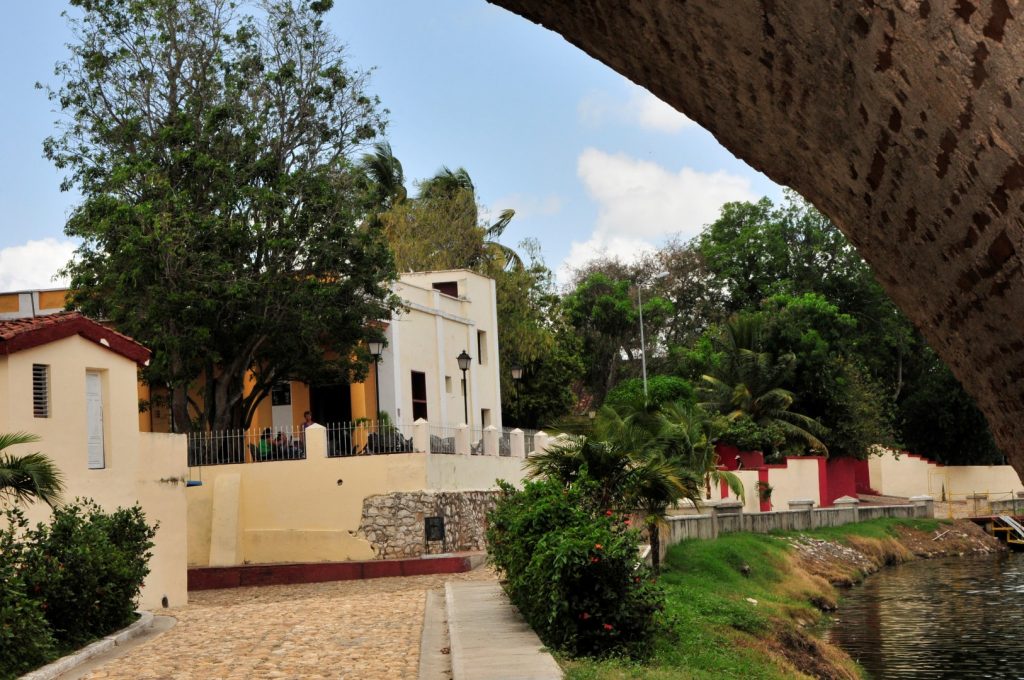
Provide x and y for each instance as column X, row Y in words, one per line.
column 445, row 313
column 72, row 382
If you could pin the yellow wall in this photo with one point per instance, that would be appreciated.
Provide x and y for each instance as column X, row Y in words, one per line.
column 907, row 476
column 52, row 299
column 310, row 510
column 10, row 303
column 135, row 463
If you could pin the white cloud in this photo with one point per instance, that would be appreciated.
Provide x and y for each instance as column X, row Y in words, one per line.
column 640, row 203
column 527, row 206
column 34, row 264
column 639, row 107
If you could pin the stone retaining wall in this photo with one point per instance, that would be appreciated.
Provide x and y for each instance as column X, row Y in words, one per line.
column 393, row 523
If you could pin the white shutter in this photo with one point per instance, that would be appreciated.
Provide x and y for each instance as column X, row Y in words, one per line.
column 94, row 420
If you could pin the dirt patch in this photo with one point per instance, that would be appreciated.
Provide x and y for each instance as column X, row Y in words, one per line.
column 847, row 563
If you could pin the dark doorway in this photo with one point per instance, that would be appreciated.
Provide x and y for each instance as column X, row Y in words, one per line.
column 330, row 403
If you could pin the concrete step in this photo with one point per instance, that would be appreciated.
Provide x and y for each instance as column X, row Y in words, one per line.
column 489, row 639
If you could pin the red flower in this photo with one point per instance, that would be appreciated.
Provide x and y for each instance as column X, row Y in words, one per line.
column 597, row 546
column 584, row 616
column 607, row 626
column 607, row 513
column 629, row 522
column 595, row 559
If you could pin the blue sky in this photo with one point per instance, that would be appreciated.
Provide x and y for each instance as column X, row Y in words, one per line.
column 589, row 161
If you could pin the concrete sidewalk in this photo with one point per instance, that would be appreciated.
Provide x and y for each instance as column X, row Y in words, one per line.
column 490, row 640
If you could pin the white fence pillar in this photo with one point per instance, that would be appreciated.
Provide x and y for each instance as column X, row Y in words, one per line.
column 540, row 442
column 491, row 441
column 517, row 443
column 924, row 505
column 462, row 439
column 421, row 436
column 316, row 441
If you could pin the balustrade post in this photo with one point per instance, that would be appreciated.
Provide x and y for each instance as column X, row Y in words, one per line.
column 421, row 436
column 462, row 444
column 517, row 443
column 491, row 441
column 316, row 441
column 540, row 443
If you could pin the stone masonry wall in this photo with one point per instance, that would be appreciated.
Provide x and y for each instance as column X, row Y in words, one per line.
column 393, row 523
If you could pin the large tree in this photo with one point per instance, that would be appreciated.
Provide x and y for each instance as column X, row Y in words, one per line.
column 222, row 216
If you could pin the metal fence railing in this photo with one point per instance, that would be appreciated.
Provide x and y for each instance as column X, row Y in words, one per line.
column 367, row 438
column 229, row 447
column 442, row 438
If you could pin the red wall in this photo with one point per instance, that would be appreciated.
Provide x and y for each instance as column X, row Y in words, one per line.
column 727, row 457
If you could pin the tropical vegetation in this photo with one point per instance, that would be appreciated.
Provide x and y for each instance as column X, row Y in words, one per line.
column 27, row 477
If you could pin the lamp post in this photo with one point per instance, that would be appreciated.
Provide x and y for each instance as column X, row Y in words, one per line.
column 376, row 348
column 517, row 375
column 464, row 361
column 643, row 349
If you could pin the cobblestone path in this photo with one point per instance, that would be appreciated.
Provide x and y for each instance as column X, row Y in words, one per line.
column 345, row 629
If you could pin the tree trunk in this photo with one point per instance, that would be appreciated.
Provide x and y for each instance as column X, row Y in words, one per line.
column 654, row 536
column 899, row 119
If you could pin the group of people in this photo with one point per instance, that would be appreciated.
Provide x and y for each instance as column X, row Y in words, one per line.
column 282, row 446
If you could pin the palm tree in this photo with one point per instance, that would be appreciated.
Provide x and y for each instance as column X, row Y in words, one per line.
column 748, row 383
column 29, row 477
column 387, row 179
column 448, row 184
column 646, row 458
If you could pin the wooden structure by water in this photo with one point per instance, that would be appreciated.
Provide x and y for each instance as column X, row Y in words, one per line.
column 1006, row 528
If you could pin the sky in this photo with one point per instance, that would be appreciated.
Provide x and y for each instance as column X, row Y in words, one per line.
column 591, row 163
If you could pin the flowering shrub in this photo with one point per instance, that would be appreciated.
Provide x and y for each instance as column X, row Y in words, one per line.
column 573, row 569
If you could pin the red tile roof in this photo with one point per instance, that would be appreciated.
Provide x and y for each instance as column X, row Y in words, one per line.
column 25, row 333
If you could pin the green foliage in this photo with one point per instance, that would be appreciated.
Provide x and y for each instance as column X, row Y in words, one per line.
column 28, row 477
column 939, row 419
column 25, row 637
column 221, row 219
column 746, row 435
column 661, row 389
column 86, row 568
column 572, row 569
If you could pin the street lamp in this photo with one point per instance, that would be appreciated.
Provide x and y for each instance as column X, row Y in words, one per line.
column 464, row 361
column 517, row 375
column 643, row 349
column 376, row 348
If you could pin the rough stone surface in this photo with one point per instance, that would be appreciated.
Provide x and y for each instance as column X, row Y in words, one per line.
column 393, row 523
column 900, row 119
column 365, row 630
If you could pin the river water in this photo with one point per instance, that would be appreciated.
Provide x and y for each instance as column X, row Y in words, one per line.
column 946, row 618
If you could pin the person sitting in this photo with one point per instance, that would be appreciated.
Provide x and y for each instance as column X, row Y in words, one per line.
column 263, row 449
column 280, row 445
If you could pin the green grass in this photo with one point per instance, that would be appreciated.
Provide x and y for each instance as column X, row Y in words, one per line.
column 875, row 528
column 711, row 630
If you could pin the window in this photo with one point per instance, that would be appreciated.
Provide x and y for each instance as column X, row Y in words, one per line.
column 419, row 395
column 485, row 417
column 481, row 346
column 448, row 384
column 41, row 390
column 281, row 394
column 450, row 288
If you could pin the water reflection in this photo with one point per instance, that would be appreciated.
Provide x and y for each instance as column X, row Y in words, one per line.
column 950, row 618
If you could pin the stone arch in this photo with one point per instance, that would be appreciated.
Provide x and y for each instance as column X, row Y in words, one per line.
column 903, row 120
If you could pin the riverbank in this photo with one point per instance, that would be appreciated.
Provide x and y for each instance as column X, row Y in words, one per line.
column 752, row 606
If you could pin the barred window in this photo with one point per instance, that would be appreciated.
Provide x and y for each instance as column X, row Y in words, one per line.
column 41, row 390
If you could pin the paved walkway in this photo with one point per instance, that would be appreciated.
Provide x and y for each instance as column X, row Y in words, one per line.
column 366, row 629
column 490, row 640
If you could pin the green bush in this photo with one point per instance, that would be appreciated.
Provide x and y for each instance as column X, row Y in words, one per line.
column 25, row 638
column 661, row 389
column 573, row 570
column 86, row 568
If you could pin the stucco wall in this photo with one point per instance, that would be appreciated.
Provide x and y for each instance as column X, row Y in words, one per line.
column 310, row 510
column 906, row 475
column 135, row 462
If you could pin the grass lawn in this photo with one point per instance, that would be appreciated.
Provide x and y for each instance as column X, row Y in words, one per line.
column 712, row 629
